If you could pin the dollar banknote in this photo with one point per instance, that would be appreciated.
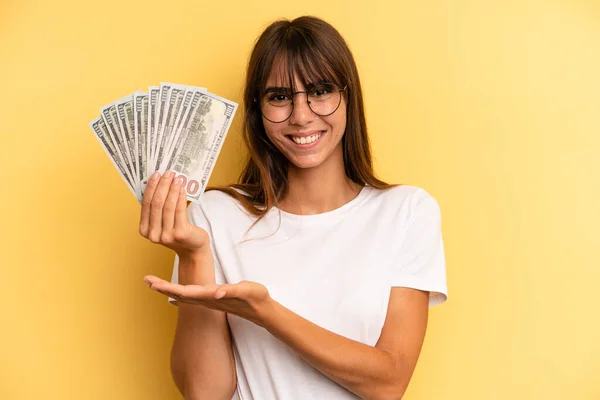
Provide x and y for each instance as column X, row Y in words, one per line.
column 140, row 127
column 161, row 109
column 153, row 92
column 195, row 152
column 109, row 115
column 170, row 127
column 174, row 102
column 101, row 131
column 125, row 116
column 191, row 98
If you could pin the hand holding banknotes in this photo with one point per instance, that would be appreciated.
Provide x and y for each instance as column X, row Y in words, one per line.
column 164, row 219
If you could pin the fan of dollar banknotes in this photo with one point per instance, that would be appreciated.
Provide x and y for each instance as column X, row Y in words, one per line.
column 171, row 127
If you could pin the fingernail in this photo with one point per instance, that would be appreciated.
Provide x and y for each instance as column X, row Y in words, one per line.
column 154, row 176
column 169, row 173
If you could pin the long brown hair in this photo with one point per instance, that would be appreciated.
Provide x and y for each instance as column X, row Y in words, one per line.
column 313, row 50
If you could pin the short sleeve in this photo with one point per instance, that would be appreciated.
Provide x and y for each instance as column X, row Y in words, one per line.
column 197, row 216
column 422, row 262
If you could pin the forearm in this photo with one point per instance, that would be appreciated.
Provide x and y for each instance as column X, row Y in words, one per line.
column 202, row 361
column 367, row 371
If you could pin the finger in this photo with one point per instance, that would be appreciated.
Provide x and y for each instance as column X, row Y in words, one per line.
column 181, row 209
column 168, row 221
column 227, row 291
column 156, row 206
column 196, row 292
column 146, row 203
column 192, row 292
column 166, row 293
column 150, row 279
column 166, row 287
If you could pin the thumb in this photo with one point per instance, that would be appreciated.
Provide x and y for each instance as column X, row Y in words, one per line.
column 227, row 291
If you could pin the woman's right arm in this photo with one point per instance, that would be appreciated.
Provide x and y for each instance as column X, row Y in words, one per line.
column 202, row 362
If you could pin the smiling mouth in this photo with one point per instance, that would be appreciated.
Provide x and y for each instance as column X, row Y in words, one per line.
column 306, row 140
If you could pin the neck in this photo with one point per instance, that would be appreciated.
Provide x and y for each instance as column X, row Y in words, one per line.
column 319, row 189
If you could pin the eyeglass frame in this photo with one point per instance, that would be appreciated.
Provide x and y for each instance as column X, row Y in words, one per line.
column 293, row 94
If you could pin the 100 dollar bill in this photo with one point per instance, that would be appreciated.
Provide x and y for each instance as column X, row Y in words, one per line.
column 198, row 142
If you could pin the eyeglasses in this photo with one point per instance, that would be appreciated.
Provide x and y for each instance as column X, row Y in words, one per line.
column 277, row 105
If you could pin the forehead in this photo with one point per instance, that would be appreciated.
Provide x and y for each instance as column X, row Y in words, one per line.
column 280, row 75
column 296, row 75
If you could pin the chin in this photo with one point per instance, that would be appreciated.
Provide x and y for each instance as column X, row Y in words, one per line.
column 306, row 162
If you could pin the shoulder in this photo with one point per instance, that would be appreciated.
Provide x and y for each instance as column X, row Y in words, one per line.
column 408, row 200
column 215, row 204
column 216, row 199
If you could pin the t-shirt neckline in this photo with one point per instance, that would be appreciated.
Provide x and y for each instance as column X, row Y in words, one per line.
column 327, row 215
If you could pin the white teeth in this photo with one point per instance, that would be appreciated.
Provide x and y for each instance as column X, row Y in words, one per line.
column 306, row 140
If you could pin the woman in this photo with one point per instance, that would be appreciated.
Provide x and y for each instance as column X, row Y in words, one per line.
column 311, row 278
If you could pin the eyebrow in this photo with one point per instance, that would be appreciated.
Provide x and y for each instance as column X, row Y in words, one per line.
column 281, row 89
column 278, row 89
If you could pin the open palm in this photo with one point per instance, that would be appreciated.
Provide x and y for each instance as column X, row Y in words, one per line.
column 245, row 299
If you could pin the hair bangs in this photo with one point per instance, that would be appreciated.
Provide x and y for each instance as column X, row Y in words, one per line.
column 297, row 59
column 313, row 66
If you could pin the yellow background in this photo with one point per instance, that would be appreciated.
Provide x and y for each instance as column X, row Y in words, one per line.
column 492, row 106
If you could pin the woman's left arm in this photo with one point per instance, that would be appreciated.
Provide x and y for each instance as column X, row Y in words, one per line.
column 375, row 373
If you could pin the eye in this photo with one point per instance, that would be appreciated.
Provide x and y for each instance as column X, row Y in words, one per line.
column 321, row 91
column 276, row 97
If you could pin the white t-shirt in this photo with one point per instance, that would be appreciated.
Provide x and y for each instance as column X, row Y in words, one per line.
column 335, row 269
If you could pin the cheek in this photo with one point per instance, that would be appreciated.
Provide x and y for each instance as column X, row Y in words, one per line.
column 337, row 121
column 272, row 131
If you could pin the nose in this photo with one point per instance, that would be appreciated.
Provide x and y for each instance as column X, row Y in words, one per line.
column 301, row 114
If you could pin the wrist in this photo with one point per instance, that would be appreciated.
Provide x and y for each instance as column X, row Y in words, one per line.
column 196, row 256
column 196, row 269
column 267, row 312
